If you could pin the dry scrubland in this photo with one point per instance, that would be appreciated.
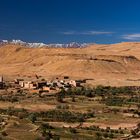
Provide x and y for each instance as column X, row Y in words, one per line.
column 116, row 64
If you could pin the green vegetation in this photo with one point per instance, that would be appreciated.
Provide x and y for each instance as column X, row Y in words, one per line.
column 96, row 113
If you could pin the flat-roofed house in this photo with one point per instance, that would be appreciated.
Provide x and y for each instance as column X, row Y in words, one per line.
column 32, row 85
column 21, row 83
column 28, row 84
column 74, row 83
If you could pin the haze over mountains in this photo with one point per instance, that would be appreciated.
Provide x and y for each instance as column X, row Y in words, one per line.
column 115, row 64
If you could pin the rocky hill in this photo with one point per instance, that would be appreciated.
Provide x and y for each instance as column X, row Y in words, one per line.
column 116, row 64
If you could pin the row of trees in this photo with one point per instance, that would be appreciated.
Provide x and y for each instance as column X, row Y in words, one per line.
column 50, row 115
column 64, row 116
column 119, row 101
column 107, row 130
column 96, row 91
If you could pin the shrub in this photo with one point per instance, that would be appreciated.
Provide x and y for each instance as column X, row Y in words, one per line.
column 4, row 133
column 45, row 126
column 62, row 106
column 72, row 130
column 98, row 136
column 32, row 117
column 111, row 135
column 105, row 135
column 66, row 116
column 56, row 137
column 60, row 96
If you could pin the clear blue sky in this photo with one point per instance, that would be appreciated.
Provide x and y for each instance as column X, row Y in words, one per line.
column 64, row 21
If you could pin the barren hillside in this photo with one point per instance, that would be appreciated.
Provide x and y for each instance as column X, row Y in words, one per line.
column 116, row 64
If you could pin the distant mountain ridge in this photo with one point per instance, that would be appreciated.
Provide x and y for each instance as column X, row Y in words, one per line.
column 32, row 45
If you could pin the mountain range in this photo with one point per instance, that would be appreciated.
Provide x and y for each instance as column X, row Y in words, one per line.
column 20, row 42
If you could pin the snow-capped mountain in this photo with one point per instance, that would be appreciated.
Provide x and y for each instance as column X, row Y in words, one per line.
column 70, row 45
column 20, row 42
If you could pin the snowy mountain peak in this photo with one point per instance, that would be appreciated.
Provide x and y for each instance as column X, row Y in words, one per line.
column 20, row 42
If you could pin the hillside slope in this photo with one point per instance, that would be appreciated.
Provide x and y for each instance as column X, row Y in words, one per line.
column 107, row 64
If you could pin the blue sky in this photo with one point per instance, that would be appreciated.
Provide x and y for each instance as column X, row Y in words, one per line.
column 64, row 21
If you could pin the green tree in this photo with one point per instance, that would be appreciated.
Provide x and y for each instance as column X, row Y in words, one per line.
column 105, row 135
column 32, row 117
column 73, row 98
column 73, row 130
column 111, row 135
column 60, row 96
column 98, row 136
